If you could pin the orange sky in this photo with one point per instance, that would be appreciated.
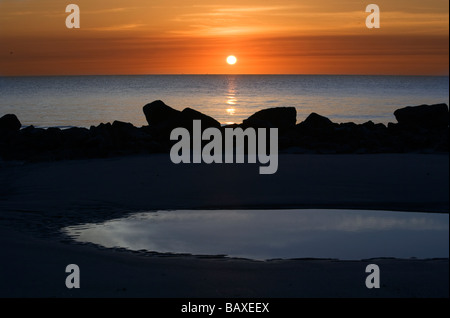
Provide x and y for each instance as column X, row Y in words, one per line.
column 195, row 37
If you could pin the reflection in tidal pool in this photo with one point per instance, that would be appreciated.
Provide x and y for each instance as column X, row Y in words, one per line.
column 268, row 234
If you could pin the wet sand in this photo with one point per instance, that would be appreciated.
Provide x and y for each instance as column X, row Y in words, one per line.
column 36, row 200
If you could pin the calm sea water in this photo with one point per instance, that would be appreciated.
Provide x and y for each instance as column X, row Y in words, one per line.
column 91, row 100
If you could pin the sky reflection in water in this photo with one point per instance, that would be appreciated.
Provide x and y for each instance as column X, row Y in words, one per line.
column 268, row 234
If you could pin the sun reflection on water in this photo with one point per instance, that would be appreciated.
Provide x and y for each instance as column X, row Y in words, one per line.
column 231, row 96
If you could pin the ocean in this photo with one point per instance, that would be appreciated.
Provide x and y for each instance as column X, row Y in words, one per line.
column 83, row 101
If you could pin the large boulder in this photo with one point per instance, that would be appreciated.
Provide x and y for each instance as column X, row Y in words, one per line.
column 9, row 122
column 158, row 112
column 318, row 127
column 127, row 135
column 317, row 122
column 278, row 117
column 164, row 118
column 188, row 115
column 423, row 116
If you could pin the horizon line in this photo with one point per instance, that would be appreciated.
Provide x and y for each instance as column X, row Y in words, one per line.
column 223, row 74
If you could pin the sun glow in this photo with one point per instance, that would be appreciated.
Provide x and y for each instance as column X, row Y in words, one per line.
column 231, row 60
column 270, row 37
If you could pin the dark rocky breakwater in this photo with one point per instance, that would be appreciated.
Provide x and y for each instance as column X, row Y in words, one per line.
column 419, row 129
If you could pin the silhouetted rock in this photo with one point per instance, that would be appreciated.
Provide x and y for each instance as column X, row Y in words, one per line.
column 122, row 126
column 32, row 135
column 315, row 128
column 127, row 138
column 125, row 132
column 157, row 113
column 9, row 122
column 420, row 129
column 316, row 121
column 423, row 116
column 188, row 115
column 75, row 135
column 279, row 117
column 53, row 138
column 163, row 119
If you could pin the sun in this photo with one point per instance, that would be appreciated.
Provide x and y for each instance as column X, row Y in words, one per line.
column 231, row 60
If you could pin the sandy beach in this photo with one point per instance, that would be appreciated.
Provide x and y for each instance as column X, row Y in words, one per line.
column 201, row 155
column 38, row 199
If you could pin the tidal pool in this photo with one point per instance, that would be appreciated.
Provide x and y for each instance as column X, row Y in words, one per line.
column 271, row 234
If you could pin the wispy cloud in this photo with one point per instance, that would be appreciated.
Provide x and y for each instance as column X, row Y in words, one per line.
column 244, row 20
column 232, row 12
column 112, row 10
column 121, row 27
column 215, row 20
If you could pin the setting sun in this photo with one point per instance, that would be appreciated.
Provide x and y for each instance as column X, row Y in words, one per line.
column 231, row 60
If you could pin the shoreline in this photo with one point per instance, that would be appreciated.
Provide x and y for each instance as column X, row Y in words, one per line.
column 71, row 192
column 117, row 273
column 37, row 199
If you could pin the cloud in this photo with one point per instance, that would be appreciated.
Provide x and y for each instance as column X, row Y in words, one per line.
column 228, row 21
column 277, row 20
column 121, row 27
column 111, row 10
